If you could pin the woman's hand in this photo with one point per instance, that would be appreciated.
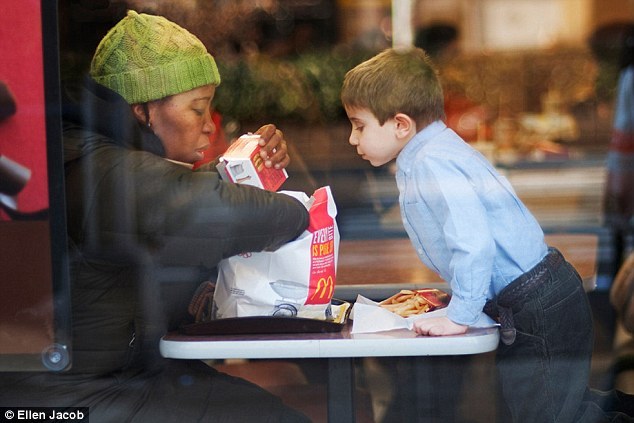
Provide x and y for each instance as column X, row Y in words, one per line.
column 274, row 151
column 438, row 326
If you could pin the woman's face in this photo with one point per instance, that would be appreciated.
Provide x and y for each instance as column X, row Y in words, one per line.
column 183, row 123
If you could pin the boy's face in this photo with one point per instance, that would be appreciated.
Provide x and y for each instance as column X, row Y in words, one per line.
column 375, row 143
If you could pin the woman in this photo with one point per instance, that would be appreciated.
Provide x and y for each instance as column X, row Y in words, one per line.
column 145, row 230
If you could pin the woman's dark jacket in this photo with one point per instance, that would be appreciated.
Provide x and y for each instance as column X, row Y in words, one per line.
column 145, row 232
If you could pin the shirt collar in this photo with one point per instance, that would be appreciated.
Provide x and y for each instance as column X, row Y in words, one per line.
column 406, row 156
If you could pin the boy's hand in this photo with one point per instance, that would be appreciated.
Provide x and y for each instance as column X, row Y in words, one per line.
column 274, row 151
column 438, row 326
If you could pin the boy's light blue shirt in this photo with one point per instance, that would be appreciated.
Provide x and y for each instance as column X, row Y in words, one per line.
column 464, row 219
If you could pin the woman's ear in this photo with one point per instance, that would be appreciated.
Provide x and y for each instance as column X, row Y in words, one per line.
column 141, row 113
column 405, row 126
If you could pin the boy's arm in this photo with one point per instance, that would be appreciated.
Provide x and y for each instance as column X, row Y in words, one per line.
column 462, row 220
column 438, row 326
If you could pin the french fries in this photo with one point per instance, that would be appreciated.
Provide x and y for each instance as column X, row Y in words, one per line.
column 412, row 302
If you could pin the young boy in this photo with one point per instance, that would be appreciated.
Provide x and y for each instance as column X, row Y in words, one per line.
column 467, row 224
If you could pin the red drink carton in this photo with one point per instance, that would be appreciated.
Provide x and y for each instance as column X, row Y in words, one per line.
column 242, row 164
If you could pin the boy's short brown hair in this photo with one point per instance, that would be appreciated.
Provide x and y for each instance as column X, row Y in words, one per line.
column 396, row 81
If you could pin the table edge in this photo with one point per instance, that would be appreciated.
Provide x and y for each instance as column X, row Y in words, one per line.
column 476, row 341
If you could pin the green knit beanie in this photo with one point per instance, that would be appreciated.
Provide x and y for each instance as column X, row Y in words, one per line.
column 146, row 57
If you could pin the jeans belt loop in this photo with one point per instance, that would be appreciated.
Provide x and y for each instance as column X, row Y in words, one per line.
column 507, row 329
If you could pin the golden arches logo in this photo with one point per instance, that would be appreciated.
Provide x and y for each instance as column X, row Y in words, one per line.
column 325, row 288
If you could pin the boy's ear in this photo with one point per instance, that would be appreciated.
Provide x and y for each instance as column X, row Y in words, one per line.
column 405, row 125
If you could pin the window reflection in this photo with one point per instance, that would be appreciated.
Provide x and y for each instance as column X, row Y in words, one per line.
column 523, row 80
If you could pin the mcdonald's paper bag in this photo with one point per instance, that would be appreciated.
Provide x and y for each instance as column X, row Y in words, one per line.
column 297, row 280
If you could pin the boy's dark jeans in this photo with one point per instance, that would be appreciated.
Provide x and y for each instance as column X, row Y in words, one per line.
column 545, row 368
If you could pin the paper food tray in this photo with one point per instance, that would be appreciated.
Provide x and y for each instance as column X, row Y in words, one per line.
column 268, row 324
column 369, row 317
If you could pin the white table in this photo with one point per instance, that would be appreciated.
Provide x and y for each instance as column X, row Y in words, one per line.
column 338, row 348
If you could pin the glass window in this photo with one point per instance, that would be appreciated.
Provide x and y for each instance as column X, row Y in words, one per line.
column 530, row 84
